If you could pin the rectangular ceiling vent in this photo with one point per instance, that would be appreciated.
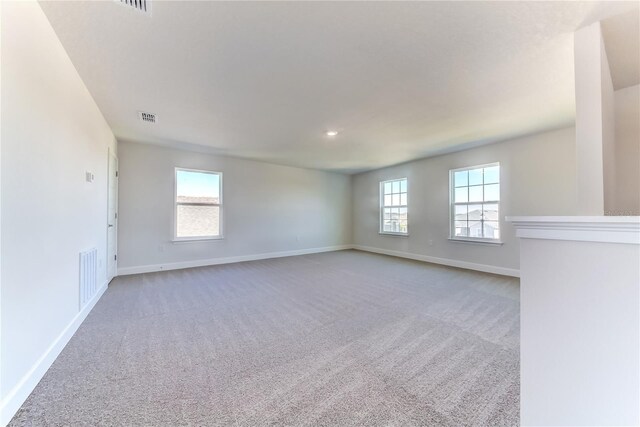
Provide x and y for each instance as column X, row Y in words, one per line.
column 147, row 117
column 141, row 5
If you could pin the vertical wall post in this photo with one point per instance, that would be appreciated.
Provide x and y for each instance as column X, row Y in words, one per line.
column 594, row 120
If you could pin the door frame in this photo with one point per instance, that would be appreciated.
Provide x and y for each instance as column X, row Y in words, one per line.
column 111, row 157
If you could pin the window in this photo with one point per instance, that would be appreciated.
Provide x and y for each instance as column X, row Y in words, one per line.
column 475, row 200
column 393, row 206
column 198, row 210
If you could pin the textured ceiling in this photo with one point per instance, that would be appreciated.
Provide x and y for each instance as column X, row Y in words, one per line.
column 265, row 80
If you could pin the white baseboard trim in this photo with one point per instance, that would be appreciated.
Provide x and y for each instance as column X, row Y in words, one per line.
column 443, row 261
column 19, row 394
column 254, row 257
column 225, row 260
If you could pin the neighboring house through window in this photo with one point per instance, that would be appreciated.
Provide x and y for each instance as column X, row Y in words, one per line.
column 475, row 203
column 393, row 207
column 198, row 205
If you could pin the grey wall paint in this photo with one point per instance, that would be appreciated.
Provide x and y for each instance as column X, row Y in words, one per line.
column 627, row 151
column 52, row 132
column 538, row 177
column 267, row 208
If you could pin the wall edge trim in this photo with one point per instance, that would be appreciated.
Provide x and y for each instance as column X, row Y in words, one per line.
column 485, row 268
column 151, row 268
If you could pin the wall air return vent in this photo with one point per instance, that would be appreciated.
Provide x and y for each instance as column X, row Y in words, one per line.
column 147, row 117
column 141, row 5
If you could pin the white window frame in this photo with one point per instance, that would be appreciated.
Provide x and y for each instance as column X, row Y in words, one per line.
column 176, row 204
column 382, row 206
column 452, row 206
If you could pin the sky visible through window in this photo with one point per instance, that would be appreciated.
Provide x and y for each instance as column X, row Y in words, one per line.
column 198, row 209
column 198, row 184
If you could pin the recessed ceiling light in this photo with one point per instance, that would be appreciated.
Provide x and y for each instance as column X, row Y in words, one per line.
column 331, row 132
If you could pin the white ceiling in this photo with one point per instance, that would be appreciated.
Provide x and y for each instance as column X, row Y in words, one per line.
column 265, row 80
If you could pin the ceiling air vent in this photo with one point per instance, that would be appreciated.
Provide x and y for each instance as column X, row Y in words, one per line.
column 147, row 117
column 141, row 5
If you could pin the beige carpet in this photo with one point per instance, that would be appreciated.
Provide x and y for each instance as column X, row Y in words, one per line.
column 335, row 339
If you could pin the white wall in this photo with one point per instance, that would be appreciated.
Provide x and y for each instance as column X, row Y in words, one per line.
column 52, row 132
column 267, row 208
column 593, row 118
column 608, row 133
column 627, row 151
column 538, row 177
column 580, row 321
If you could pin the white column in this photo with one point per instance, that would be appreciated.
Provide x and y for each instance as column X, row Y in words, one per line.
column 594, row 121
column 580, row 320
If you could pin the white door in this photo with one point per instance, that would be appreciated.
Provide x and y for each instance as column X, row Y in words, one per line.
column 112, row 217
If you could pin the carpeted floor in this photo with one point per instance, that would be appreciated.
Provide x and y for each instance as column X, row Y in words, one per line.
column 335, row 339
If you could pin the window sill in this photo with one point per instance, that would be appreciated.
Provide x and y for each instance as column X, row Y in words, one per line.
column 196, row 239
column 476, row 241
column 389, row 233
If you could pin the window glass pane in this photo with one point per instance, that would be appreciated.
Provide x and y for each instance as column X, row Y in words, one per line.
column 490, row 212
column 395, row 218
column 475, row 212
column 461, row 195
column 492, row 175
column 475, row 176
column 460, row 179
column 491, row 230
column 475, row 193
column 197, row 187
column 472, row 187
column 492, row 192
column 460, row 228
column 460, row 213
column 198, row 221
column 475, row 228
